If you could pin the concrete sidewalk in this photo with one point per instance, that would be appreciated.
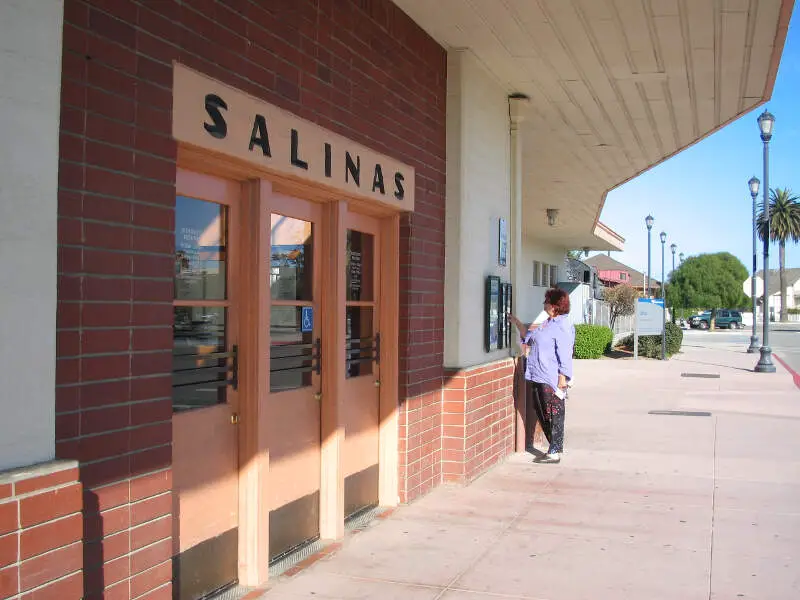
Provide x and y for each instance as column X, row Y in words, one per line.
column 643, row 506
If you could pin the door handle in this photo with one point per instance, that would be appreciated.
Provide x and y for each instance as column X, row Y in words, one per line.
column 234, row 368
column 234, row 418
column 377, row 383
column 316, row 355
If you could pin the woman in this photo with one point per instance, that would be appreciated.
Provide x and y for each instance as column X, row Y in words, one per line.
column 549, row 368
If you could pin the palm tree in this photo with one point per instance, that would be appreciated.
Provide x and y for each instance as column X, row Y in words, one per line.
column 784, row 224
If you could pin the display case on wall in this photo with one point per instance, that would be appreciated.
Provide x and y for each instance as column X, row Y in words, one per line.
column 507, row 309
column 497, row 329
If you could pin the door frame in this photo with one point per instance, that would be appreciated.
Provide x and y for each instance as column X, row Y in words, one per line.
column 254, row 233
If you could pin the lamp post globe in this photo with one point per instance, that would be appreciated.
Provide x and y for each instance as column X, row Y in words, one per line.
column 766, row 123
column 753, row 184
column 649, row 223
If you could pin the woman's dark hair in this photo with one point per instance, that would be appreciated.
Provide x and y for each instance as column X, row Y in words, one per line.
column 558, row 299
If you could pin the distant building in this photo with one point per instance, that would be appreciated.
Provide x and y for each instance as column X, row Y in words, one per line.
column 612, row 273
column 792, row 290
column 578, row 271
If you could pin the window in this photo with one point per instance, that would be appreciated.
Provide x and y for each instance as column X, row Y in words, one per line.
column 361, row 342
column 200, row 356
column 292, row 344
column 623, row 277
column 544, row 275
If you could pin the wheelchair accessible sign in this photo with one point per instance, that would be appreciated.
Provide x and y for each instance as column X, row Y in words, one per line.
column 307, row 319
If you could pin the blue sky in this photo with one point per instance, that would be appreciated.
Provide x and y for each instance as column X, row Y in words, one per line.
column 700, row 197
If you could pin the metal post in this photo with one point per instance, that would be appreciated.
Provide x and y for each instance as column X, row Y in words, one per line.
column 753, row 348
column 663, row 305
column 649, row 233
column 671, row 273
column 765, row 364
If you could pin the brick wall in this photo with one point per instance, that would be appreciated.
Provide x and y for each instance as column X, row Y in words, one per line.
column 478, row 416
column 41, row 528
column 360, row 68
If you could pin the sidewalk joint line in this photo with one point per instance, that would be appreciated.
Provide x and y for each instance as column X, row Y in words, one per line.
column 713, row 513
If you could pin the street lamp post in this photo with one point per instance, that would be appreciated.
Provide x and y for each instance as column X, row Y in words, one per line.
column 674, row 248
column 765, row 124
column 663, row 237
column 649, row 222
column 753, row 348
column 680, row 257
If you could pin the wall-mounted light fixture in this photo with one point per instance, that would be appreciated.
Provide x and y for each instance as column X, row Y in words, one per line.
column 552, row 216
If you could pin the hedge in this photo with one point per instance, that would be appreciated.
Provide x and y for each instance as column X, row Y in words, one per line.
column 592, row 341
column 650, row 345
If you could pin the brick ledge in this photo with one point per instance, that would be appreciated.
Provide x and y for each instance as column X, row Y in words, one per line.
column 22, row 481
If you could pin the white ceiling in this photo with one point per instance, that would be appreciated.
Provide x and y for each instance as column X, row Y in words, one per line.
column 615, row 86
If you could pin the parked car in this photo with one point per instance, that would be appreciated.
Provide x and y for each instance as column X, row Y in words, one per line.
column 732, row 319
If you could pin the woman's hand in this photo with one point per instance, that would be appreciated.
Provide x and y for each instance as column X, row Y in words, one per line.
column 518, row 324
column 562, row 382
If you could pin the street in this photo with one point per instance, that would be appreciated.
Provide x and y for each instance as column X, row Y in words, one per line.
column 784, row 340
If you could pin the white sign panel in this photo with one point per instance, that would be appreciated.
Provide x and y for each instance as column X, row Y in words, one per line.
column 649, row 316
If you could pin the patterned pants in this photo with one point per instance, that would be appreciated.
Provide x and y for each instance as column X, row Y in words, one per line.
column 550, row 411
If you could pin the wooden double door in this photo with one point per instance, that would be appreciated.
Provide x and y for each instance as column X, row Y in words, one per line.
column 303, row 312
column 298, row 298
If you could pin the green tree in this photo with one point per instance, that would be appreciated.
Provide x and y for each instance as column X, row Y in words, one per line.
column 784, row 225
column 575, row 254
column 709, row 281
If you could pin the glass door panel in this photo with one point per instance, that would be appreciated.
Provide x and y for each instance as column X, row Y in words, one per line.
column 293, row 407
column 362, row 363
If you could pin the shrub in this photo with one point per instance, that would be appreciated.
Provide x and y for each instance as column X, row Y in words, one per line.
column 650, row 345
column 592, row 341
column 674, row 338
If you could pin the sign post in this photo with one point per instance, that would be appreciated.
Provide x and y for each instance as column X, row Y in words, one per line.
column 649, row 320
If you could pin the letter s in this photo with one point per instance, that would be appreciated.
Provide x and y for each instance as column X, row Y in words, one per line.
column 213, row 105
column 400, row 192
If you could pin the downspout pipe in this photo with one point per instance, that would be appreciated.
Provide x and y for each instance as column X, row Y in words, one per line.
column 516, row 107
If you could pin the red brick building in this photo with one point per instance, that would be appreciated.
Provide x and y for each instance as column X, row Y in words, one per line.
column 265, row 236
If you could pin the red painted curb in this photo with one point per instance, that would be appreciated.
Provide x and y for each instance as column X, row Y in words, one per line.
column 794, row 373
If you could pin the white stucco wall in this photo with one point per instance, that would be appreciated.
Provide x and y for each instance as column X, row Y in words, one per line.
column 30, row 68
column 532, row 294
column 478, row 195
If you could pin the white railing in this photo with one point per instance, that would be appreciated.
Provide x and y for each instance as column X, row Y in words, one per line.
column 586, row 309
column 601, row 315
